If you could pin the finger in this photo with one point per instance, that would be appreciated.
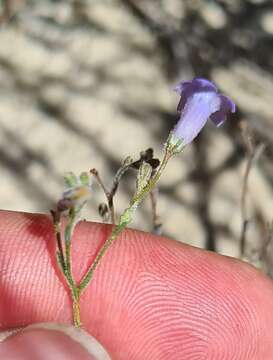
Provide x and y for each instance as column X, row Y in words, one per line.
column 51, row 341
column 151, row 298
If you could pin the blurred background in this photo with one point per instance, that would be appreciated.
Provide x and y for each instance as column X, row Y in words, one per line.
column 84, row 84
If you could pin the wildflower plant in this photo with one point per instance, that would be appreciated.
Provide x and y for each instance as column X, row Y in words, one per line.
column 199, row 102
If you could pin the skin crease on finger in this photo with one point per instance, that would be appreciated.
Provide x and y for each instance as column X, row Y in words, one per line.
column 151, row 297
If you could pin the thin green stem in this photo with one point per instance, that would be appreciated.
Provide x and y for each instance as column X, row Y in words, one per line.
column 60, row 252
column 67, row 237
column 125, row 219
column 76, row 307
column 112, row 209
column 111, row 194
column 75, row 291
column 87, row 278
column 57, row 230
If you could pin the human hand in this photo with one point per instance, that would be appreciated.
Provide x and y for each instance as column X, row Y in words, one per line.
column 151, row 298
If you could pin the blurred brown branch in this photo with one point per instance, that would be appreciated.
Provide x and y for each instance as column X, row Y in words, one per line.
column 252, row 153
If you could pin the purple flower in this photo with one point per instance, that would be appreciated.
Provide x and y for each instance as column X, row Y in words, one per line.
column 199, row 101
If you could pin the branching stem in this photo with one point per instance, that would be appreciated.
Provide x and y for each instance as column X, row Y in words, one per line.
column 125, row 219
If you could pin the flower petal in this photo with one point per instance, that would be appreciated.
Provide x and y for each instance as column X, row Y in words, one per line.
column 195, row 114
column 199, row 101
column 180, row 87
column 227, row 105
column 204, row 85
column 187, row 88
column 184, row 89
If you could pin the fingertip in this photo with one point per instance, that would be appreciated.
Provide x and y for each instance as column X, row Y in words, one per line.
column 52, row 341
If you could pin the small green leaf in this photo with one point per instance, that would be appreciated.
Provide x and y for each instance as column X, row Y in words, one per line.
column 70, row 180
column 85, row 179
column 127, row 161
column 143, row 176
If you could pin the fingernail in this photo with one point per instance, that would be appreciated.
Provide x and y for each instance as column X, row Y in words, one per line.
column 51, row 341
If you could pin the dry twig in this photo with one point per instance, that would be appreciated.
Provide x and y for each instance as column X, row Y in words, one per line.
column 253, row 153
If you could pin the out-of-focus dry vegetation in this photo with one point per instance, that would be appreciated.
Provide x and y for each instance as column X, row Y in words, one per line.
column 83, row 84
